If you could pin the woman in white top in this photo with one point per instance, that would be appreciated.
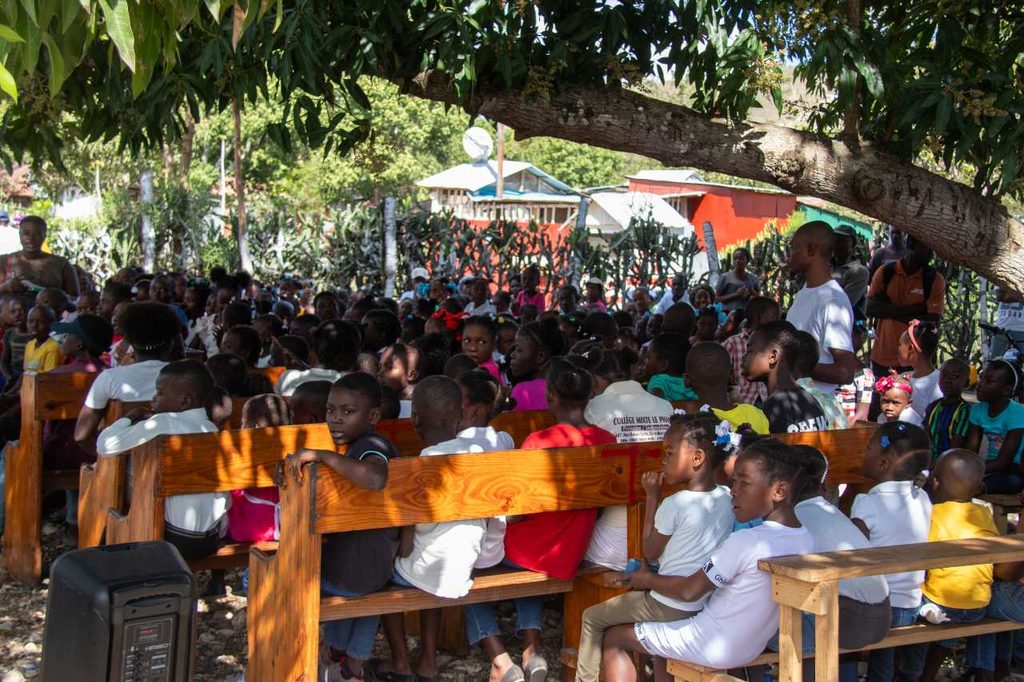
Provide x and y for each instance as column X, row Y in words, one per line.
column 154, row 333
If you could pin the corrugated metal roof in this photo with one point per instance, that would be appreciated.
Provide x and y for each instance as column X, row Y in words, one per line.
column 534, row 197
column 472, row 176
column 623, row 206
column 668, row 175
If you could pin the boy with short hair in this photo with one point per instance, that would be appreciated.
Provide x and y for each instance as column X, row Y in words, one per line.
column 41, row 353
column 357, row 563
column 948, row 419
column 309, row 402
column 336, row 344
column 707, row 371
column 960, row 594
column 665, row 366
column 193, row 523
column 758, row 311
column 435, row 557
column 770, row 357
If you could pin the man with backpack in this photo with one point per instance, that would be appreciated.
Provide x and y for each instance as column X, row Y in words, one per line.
column 901, row 291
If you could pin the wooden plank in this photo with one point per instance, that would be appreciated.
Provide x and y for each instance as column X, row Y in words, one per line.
column 799, row 595
column 896, row 559
column 493, row 586
column 23, row 494
column 145, row 517
column 844, row 449
column 231, row 555
column 684, row 672
column 791, row 639
column 101, row 486
column 58, row 396
column 284, row 597
column 457, row 487
column 918, row 633
column 826, row 633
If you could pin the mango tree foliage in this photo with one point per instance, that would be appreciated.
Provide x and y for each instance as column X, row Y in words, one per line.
column 902, row 83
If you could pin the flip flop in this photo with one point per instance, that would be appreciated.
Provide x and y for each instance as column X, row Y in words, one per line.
column 514, row 674
column 536, row 669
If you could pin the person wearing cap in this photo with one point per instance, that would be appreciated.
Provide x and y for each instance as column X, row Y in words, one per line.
column 31, row 270
column 420, row 283
column 86, row 339
column 595, row 296
column 479, row 297
column 847, row 268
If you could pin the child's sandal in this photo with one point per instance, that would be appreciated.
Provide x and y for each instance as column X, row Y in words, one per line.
column 514, row 674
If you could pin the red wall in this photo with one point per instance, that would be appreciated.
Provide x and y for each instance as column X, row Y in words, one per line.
column 737, row 214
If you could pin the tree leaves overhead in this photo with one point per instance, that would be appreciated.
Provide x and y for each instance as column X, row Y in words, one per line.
column 928, row 78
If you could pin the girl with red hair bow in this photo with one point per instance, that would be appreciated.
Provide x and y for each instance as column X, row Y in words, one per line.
column 896, row 394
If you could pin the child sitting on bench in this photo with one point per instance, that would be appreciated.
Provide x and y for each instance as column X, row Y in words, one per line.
column 960, row 594
column 740, row 617
column 435, row 557
column 352, row 564
column 707, row 371
column 896, row 512
column 193, row 523
column 680, row 532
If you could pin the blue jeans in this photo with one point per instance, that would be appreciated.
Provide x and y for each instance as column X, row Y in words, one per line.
column 906, row 661
column 1008, row 604
column 354, row 636
column 981, row 649
column 481, row 621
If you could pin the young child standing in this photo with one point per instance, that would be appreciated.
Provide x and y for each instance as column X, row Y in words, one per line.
column 665, row 365
column 897, row 394
column 896, row 512
column 771, row 355
column 680, row 533
column 536, row 344
column 707, row 371
column 41, row 353
column 1000, row 418
column 916, row 349
column 948, row 419
column 399, row 371
column 353, row 564
column 435, row 557
column 193, row 523
column 960, row 594
column 740, row 617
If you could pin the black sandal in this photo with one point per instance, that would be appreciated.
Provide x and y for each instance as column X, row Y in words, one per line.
column 372, row 671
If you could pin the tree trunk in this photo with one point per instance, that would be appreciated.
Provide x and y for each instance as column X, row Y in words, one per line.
column 187, row 144
column 959, row 223
column 147, row 237
column 243, row 229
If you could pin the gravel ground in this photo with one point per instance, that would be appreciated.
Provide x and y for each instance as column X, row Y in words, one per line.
column 220, row 638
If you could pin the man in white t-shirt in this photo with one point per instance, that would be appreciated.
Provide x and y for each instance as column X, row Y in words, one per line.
column 675, row 294
column 822, row 308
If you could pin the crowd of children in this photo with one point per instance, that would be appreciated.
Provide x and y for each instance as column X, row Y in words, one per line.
column 450, row 355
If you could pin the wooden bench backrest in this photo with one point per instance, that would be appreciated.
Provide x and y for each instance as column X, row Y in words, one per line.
column 54, row 396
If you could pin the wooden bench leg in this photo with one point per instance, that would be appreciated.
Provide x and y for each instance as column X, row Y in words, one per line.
column 587, row 589
column 145, row 517
column 101, row 488
column 284, row 595
column 23, row 495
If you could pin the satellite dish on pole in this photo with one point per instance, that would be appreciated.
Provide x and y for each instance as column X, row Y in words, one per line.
column 477, row 144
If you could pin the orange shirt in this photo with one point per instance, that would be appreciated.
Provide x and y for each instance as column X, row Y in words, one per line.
column 903, row 289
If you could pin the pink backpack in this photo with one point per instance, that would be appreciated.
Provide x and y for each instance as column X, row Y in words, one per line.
column 255, row 515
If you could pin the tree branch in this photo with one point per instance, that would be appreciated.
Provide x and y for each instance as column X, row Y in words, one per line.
column 961, row 225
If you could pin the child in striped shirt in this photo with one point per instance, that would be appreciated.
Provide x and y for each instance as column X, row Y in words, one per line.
column 948, row 419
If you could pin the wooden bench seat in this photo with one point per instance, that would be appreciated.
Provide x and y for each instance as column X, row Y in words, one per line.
column 810, row 583
column 1001, row 506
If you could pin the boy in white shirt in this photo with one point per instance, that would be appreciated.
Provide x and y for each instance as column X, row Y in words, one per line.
column 896, row 512
column 435, row 557
column 193, row 523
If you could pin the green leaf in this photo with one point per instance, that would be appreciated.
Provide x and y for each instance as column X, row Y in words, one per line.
column 57, row 72
column 7, row 83
column 10, row 35
column 30, row 9
column 70, row 11
column 118, row 20
column 942, row 112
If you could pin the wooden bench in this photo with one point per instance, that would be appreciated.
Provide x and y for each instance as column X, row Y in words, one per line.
column 1002, row 505
column 810, row 583
column 845, row 451
column 44, row 397
column 285, row 605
